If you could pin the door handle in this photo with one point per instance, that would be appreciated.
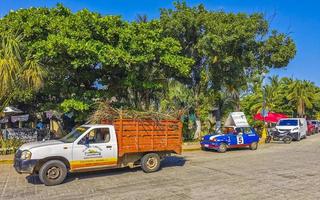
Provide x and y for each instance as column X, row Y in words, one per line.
column 109, row 147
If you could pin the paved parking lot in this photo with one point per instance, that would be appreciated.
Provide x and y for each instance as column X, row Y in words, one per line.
column 274, row 171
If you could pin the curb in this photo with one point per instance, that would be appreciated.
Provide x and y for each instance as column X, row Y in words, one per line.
column 191, row 149
column 5, row 162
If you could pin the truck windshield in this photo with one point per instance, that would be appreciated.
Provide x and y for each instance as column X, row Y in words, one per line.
column 288, row 122
column 73, row 135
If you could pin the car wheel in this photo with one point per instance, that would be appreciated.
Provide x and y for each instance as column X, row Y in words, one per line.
column 53, row 172
column 254, row 146
column 222, row 148
column 287, row 140
column 204, row 149
column 150, row 162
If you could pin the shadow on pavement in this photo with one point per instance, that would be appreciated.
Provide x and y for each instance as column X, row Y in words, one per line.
column 172, row 161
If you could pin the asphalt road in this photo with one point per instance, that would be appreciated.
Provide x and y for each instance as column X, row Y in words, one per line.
column 274, row 171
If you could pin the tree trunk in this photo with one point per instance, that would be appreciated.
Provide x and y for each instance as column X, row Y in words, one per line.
column 198, row 130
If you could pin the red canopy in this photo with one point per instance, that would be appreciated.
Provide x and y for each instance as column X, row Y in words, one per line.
column 271, row 117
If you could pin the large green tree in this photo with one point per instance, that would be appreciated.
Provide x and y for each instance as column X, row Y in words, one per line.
column 229, row 50
column 89, row 56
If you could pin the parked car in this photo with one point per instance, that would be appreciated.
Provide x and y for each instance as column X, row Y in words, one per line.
column 311, row 128
column 238, row 133
column 316, row 123
column 296, row 126
column 126, row 143
column 240, row 137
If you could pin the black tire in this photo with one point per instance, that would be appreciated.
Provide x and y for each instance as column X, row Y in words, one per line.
column 268, row 139
column 298, row 138
column 150, row 162
column 222, row 148
column 254, row 146
column 53, row 172
column 204, row 149
column 287, row 140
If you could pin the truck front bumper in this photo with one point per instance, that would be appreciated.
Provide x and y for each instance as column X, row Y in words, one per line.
column 24, row 166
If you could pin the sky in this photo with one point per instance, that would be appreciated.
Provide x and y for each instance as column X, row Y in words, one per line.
column 300, row 19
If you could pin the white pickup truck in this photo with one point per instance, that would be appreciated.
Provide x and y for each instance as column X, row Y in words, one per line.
column 93, row 147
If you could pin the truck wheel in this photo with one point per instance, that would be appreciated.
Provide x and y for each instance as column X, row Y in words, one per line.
column 254, row 146
column 150, row 162
column 222, row 148
column 53, row 172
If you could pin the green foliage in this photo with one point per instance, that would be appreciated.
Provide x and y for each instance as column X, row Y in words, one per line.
column 288, row 96
column 9, row 146
column 17, row 74
column 229, row 51
column 190, row 58
column 72, row 104
column 79, row 108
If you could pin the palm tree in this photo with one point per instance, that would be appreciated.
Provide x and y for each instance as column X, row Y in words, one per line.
column 142, row 18
column 15, row 72
column 267, row 93
column 234, row 95
column 302, row 93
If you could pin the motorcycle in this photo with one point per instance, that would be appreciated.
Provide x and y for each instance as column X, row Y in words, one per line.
column 286, row 137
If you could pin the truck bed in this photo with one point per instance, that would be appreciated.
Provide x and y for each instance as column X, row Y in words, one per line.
column 139, row 135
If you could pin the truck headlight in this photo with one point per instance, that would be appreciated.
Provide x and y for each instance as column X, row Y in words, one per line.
column 26, row 155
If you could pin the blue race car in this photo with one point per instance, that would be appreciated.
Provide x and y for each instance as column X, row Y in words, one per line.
column 241, row 137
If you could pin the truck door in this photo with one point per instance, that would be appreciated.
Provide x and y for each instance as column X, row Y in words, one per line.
column 96, row 149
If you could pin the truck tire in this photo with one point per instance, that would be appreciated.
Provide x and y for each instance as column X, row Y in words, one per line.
column 222, row 148
column 53, row 172
column 254, row 146
column 150, row 162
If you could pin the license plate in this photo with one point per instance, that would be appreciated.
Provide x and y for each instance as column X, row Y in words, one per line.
column 206, row 145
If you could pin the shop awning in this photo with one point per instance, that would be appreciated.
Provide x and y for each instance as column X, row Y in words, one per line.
column 271, row 117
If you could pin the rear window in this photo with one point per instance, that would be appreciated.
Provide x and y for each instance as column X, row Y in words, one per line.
column 288, row 122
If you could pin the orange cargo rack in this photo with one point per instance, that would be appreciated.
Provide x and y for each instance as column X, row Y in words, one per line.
column 144, row 135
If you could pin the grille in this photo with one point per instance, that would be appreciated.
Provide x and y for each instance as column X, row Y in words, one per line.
column 284, row 130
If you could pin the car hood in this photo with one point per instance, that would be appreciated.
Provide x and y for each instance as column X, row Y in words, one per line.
column 286, row 127
column 32, row 145
column 211, row 136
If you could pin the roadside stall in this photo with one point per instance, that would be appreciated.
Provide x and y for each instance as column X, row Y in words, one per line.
column 18, row 125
